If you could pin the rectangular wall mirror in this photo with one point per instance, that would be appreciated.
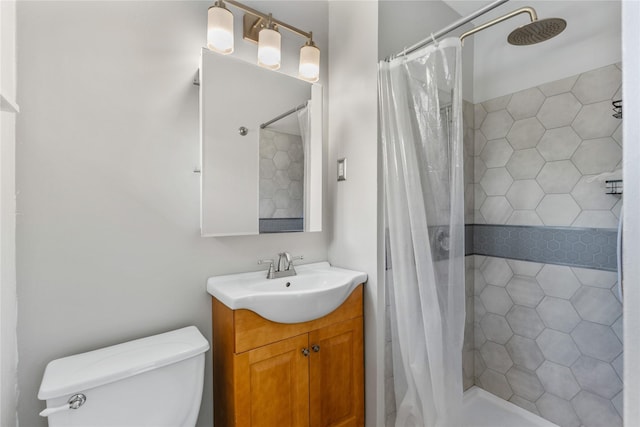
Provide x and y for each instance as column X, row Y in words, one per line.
column 261, row 149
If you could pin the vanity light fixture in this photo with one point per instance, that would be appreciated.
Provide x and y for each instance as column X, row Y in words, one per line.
column 220, row 29
column 262, row 29
column 269, row 46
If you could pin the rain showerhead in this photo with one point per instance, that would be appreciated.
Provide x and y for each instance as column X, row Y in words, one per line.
column 537, row 31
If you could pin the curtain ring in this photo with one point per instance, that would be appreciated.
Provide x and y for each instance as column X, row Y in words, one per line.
column 433, row 39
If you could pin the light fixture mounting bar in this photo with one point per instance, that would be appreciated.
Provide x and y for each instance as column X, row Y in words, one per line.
column 306, row 35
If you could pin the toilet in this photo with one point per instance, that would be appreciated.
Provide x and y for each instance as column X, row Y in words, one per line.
column 153, row 381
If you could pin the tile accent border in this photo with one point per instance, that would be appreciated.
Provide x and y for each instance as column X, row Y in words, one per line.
column 280, row 225
column 593, row 248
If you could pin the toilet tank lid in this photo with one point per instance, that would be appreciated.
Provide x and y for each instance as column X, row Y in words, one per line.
column 84, row 371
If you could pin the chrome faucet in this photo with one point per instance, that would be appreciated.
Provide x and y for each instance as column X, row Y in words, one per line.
column 284, row 267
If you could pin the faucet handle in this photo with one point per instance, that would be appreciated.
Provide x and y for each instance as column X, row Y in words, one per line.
column 271, row 272
column 291, row 259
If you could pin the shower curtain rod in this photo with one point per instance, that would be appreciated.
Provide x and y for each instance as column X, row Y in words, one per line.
column 283, row 115
column 454, row 26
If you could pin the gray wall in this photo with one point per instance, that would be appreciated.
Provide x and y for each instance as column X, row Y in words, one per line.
column 108, row 233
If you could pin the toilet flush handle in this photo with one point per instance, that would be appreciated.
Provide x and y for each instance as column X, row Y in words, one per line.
column 75, row 401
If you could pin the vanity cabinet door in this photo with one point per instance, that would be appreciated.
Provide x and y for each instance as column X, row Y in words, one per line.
column 336, row 378
column 272, row 385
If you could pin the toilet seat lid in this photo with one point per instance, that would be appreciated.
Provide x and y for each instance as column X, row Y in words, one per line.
column 84, row 371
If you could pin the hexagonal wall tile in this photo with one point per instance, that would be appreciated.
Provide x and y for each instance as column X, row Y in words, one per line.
column 558, row 281
column 282, row 160
column 524, row 268
column 525, row 194
column 525, row 321
column 479, row 141
column 597, row 305
column 558, row 347
column 525, row 164
column 524, row 291
column 597, row 278
column 524, row 404
column 478, row 282
column 479, row 169
column 558, row 314
column 496, row 153
column 558, row 143
column 496, row 300
column 595, row 121
column 282, row 141
column 597, row 377
column 267, row 168
column 597, row 85
column 296, row 171
column 525, row 104
column 525, row 133
column 496, row 357
column 558, row 209
column 524, row 217
column 496, row 210
column 597, row 341
column 524, row 383
column 266, row 188
column 596, row 411
column 496, row 181
column 558, row 177
column 496, row 383
column 267, row 208
column 496, row 271
column 596, row 219
column 267, row 148
column 496, row 125
column 618, row 365
column 590, row 193
column 557, row 410
column 478, row 195
column 558, row 379
column 595, row 156
column 281, row 199
column 479, row 114
column 496, row 104
column 496, row 328
column 524, row 352
column 282, row 179
column 296, row 153
column 557, row 87
column 558, row 110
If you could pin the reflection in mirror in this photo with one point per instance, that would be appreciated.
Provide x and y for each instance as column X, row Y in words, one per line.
column 261, row 150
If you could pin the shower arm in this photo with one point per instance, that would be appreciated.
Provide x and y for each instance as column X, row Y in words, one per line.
column 532, row 15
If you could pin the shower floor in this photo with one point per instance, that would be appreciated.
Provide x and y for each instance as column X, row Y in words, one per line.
column 483, row 409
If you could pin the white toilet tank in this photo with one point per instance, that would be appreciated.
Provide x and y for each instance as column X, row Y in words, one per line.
column 154, row 381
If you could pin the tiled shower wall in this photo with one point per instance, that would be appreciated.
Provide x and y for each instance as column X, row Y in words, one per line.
column 281, row 175
column 548, row 337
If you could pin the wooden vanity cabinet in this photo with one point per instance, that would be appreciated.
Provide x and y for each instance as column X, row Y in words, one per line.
column 268, row 374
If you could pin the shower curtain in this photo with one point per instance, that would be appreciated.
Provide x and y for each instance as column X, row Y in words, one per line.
column 421, row 132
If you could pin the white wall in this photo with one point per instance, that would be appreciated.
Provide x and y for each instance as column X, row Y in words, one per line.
column 591, row 40
column 8, row 303
column 354, row 236
column 109, row 245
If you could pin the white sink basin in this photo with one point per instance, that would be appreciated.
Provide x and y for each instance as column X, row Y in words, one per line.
column 315, row 291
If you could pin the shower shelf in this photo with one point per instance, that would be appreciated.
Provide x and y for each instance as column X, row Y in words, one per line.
column 614, row 186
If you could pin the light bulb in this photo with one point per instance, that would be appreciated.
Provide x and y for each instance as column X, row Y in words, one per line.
column 309, row 69
column 269, row 48
column 220, row 29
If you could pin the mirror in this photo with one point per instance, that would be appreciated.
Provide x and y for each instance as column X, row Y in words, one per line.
column 261, row 149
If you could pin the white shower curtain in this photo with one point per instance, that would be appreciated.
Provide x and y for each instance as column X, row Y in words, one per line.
column 421, row 132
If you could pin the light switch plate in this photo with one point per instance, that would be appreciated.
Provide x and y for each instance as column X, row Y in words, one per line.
column 342, row 169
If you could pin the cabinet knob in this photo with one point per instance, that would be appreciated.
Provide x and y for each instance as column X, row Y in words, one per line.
column 305, row 352
column 315, row 348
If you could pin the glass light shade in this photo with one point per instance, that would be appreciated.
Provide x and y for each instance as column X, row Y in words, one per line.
column 220, row 30
column 269, row 48
column 309, row 69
